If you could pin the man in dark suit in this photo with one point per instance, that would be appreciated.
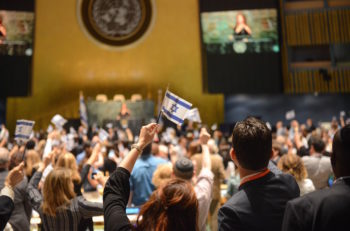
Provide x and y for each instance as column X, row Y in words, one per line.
column 7, row 194
column 263, row 193
column 327, row 209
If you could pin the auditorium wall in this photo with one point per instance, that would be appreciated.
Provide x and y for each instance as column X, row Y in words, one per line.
column 66, row 61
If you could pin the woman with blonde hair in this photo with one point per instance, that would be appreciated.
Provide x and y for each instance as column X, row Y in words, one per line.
column 162, row 174
column 292, row 164
column 59, row 207
column 68, row 161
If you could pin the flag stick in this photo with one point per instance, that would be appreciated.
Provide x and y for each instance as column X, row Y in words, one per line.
column 160, row 111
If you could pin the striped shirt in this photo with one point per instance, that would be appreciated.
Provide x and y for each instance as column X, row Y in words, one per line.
column 67, row 217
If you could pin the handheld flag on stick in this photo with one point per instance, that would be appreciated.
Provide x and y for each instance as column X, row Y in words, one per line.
column 175, row 108
column 103, row 135
column 290, row 115
column 23, row 130
column 82, row 111
column 58, row 121
column 193, row 115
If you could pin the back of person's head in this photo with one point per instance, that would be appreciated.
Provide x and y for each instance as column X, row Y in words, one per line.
column 277, row 147
column 4, row 157
column 252, row 143
column 30, row 145
column 183, row 168
column 86, row 146
column 67, row 160
column 147, row 150
column 163, row 149
column 292, row 164
column 15, row 159
column 32, row 161
column 317, row 144
column 173, row 206
column 162, row 174
column 155, row 149
column 57, row 191
column 340, row 157
column 193, row 148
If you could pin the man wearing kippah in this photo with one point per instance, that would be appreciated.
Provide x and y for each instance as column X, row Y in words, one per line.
column 183, row 168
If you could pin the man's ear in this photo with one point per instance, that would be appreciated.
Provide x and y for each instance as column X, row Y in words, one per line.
column 233, row 155
column 272, row 154
column 311, row 150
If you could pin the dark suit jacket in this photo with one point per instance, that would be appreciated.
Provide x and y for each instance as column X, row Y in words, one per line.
column 6, row 208
column 259, row 204
column 327, row 209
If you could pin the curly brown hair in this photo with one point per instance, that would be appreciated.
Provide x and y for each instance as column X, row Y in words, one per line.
column 292, row 164
column 173, row 206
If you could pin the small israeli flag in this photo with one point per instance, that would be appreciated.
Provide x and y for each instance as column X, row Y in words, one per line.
column 193, row 115
column 103, row 135
column 24, row 129
column 82, row 111
column 175, row 108
column 58, row 121
column 290, row 115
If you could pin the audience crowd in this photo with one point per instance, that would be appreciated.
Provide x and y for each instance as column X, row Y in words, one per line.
column 292, row 176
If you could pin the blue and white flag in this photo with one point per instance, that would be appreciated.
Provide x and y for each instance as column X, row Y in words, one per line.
column 103, row 135
column 24, row 129
column 290, row 115
column 82, row 111
column 175, row 108
column 58, row 121
column 193, row 115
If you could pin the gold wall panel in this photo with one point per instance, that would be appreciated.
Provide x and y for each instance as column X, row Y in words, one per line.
column 66, row 61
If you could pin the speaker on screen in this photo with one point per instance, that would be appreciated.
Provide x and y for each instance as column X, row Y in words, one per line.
column 241, row 46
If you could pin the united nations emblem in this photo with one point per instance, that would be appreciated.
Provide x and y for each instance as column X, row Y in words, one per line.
column 116, row 22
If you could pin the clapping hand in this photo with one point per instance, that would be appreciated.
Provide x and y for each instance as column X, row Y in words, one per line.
column 15, row 176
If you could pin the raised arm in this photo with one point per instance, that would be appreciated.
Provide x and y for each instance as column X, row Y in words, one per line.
column 116, row 193
column 204, row 138
column 86, row 168
column 33, row 193
column 146, row 136
column 205, row 180
column 7, row 194
column 89, row 209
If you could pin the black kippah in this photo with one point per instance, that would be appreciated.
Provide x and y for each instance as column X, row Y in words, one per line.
column 184, row 165
column 183, row 168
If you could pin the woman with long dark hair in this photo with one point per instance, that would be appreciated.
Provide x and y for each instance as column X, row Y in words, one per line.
column 173, row 206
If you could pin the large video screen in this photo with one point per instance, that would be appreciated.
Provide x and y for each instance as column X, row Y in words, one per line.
column 240, row 32
column 16, row 32
column 240, row 46
column 17, row 19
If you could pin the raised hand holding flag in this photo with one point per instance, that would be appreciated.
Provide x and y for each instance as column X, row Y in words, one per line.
column 175, row 108
column 23, row 130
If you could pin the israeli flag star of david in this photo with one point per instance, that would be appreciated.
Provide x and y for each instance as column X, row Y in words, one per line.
column 23, row 130
column 175, row 108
